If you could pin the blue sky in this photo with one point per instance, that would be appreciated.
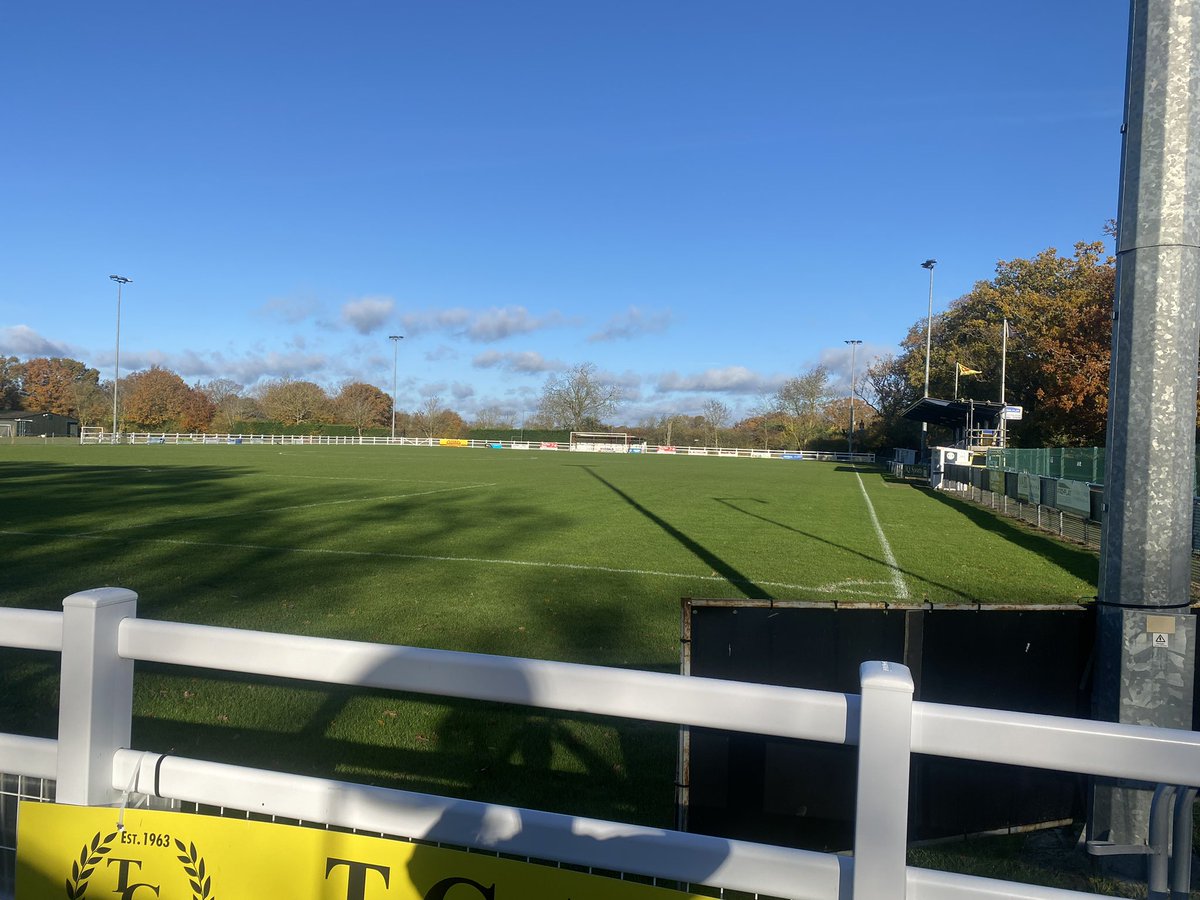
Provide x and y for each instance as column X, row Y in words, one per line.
column 701, row 198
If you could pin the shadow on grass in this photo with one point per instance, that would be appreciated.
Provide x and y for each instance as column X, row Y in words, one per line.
column 731, row 503
column 1083, row 564
column 710, row 559
column 261, row 564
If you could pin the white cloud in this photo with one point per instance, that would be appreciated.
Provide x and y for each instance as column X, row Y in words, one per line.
column 23, row 341
column 838, row 360
column 367, row 313
column 252, row 368
column 527, row 362
column 288, row 309
column 497, row 324
column 631, row 324
column 483, row 327
column 728, row 380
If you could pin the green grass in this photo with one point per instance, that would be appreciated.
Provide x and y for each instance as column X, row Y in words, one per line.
column 1051, row 858
column 577, row 557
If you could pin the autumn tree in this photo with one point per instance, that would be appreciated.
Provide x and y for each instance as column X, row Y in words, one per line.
column 157, row 399
column 578, row 399
column 803, row 407
column 452, row 425
column 294, row 402
column 93, row 403
column 716, row 418
column 1059, row 310
column 362, row 405
column 433, row 419
column 50, row 384
column 229, row 402
column 11, row 374
column 672, row 429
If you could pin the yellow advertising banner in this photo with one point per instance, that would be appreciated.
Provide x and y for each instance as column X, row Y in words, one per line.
column 74, row 852
column 454, row 442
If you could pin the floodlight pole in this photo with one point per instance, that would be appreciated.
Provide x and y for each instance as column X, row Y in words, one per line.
column 395, row 339
column 929, row 340
column 1146, row 652
column 850, row 438
column 121, row 281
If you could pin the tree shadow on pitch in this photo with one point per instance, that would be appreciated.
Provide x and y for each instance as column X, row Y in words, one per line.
column 752, row 589
column 731, row 503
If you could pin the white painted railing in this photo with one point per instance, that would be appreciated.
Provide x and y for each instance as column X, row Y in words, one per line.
column 100, row 637
column 98, row 436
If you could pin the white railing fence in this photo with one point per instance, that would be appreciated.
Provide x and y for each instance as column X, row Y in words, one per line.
column 100, row 637
column 99, row 436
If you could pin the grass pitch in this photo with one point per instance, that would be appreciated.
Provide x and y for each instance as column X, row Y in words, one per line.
column 578, row 557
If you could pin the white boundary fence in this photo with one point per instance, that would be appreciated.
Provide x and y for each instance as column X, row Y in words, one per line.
column 100, row 637
column 99, row 436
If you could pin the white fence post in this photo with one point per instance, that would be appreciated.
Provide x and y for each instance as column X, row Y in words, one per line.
column 95, row 708
column 881, row 808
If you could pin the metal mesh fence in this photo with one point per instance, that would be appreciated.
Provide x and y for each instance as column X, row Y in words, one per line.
column 702, row 890
column 15, row 788
column 1048, row 518
column 1075, row 463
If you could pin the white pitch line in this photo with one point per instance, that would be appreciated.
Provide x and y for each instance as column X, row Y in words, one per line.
column 356, row 478
column 888, row 556
column 532, row 564
column 254, row 512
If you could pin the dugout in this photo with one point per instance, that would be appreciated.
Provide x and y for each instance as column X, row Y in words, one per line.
column 801, row 793
column 975, row 424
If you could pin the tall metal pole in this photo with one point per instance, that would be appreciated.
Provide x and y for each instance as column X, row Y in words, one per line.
column 395, row 339
column 850, row 437
column 1145, row 657
column 1003, row 372
column 928, row 264
column 121, row 281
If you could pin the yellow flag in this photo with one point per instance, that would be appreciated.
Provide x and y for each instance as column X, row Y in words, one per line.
column 963, row 370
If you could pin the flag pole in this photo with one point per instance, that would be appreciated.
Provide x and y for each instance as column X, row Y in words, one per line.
column 1003, row 364
column 1003, row 357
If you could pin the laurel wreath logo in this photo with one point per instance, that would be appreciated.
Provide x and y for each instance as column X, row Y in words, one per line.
column 93, row 854
column 89, row 857
column 193, row 865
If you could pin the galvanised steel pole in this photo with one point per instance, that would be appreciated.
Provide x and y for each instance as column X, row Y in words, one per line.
column 121, row 281
column 1146, row 641
column 850, row 439
column 395, row 339
column 928, row 264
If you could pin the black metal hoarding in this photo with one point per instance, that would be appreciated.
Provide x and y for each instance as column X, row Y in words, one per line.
column 801, row 793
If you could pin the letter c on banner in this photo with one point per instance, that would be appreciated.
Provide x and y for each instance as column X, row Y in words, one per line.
column 439, row 890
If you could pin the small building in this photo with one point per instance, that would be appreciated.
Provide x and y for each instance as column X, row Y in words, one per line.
column 23, row 423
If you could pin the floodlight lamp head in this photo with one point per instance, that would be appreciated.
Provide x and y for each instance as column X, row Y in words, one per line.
column 395, row 337
column 929, row 264
column 120, row 279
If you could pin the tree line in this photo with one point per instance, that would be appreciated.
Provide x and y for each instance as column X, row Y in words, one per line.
column 1059, row 310
column 159, row 400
